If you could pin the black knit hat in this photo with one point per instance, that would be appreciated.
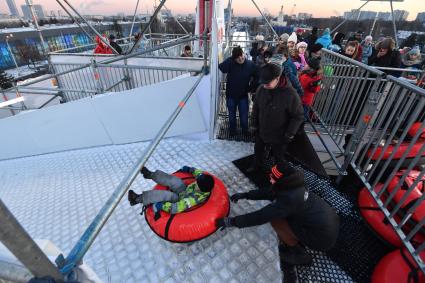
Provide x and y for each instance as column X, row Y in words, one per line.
column 314, row 63
column 269, row 72
column 316, row 47
column 281, row 170
column 205, row 182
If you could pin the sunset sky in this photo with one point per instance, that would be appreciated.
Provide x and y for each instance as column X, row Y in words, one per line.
column 241, row 7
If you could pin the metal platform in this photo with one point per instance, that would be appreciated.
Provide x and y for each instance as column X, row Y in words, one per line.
column 55, row 196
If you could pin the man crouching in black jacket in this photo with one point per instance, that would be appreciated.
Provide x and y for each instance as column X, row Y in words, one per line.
column 299, row 217
column 277, row 113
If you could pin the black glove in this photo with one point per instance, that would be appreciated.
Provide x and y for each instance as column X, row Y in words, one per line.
column 187, row 169
column 235, row 197
column 224, row 222
column 287, row 139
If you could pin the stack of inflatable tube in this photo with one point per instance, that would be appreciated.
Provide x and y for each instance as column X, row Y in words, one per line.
column 397, row 267
column 401, row 150
column 196, row 223
column 375, row 217
column 413, row 196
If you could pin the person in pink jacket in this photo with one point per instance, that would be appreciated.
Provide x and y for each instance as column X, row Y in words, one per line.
column 299, row 58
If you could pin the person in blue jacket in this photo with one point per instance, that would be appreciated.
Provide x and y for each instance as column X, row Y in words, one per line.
column 241, row 79
column 325, row 40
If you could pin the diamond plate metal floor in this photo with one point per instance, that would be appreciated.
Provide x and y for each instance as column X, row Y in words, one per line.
column 56, row 196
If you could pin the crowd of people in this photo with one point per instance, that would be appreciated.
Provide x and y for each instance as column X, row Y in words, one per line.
column 300, row 60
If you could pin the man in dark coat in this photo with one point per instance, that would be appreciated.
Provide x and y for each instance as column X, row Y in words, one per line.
column 277, row 114
column 241, row 79
column 299, row 217
column 311, row 39
column 385, row 55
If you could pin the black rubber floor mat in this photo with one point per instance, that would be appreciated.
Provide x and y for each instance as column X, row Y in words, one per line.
column 357, row 250
column 300, row 149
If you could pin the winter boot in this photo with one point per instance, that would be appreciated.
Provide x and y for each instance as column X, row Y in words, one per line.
column 134, row 198
column 295, row 255
column 147, row 174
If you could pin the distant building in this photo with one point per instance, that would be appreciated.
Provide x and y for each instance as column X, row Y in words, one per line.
column 351, row 15
column 12, row 8
column 359, row 15
column 401, row 15
column 227, row 14
column 144, row 18
column 164, row 15
column 367, row 15
column 38, row 10
column 304, row 16
column 421, row 17
column 280, row 21
column 384, row 16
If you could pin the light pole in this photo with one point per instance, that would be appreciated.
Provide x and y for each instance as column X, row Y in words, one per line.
column 11, row 53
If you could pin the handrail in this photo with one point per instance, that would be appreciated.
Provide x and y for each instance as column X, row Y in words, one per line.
column 88, row 237
column 354, row 62
column 84, row 46
column 406, row 84
column 400, row 69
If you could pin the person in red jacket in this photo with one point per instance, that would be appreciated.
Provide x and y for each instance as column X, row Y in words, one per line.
column 101, row 47
column 311, row 80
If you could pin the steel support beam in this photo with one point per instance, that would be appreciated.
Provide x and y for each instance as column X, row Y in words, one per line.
column 146, row 27
column 349, row 18
column 394, row 25
column 23, row 247
column 75, row 20
column 90, row 26
column 34, row 17
column 134, row 20
column 178, row 22
column 267, row 21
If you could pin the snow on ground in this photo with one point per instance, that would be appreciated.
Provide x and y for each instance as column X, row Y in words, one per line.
column 56, row 196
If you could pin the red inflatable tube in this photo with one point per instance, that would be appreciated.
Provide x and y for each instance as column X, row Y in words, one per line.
column 396, row 267
column 401, row 150
column 415, row 128
column 417, row 192
column 375, row 218
column 196, row 223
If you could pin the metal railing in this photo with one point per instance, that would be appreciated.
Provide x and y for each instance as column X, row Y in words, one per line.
column 369, row 117
column 101, row 78
column 76, row 81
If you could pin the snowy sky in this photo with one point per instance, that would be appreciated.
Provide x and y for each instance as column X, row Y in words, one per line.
column 241, row 7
